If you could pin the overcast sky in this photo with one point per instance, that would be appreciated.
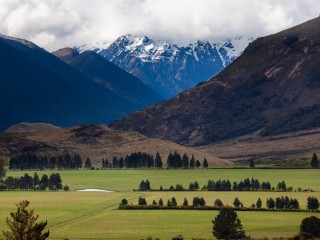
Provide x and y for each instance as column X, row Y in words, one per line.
column 54, row 24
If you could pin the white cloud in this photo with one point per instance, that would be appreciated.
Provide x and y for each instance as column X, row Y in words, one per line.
column 58, row 23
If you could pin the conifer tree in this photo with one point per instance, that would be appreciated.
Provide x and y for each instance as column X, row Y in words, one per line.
column 158, row 161
column 259, row 203
column 88, row 164
column 2, row 169
column 192, row 162
column 24, row 225
column 205, row 163
column 227, row 225
column 198, row 164
column 314, row 161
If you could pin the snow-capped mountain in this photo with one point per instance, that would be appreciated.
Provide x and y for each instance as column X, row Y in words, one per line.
column 169, row 68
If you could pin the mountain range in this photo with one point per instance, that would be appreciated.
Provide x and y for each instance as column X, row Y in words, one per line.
column 168, row 68
column 36, row 86
column 272, row 88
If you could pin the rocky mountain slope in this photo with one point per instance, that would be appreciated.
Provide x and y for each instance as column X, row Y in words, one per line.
column 36, row 86
column 95, row 141
column 168, row 68
column 273, row 88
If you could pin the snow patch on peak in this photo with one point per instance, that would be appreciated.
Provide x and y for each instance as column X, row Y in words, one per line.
column 144, row 48
column 97, row 46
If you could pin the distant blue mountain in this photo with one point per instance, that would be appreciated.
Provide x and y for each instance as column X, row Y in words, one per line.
column 36, row 86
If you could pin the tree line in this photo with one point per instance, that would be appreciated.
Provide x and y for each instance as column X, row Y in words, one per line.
column 133, row 161
column 222, row 185
column 32, row 183
column 30, row 161
column 136, row 160
column 145, row 160
column 279, row 203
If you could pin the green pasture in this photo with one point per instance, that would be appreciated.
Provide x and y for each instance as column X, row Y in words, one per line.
column 127, row 180
column 94, row 215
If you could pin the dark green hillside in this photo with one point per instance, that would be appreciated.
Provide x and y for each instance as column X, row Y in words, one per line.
column 115, row 79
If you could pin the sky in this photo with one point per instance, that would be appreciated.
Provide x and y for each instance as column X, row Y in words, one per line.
column 54, row 24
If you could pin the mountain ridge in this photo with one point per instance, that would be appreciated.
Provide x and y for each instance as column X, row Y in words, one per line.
column 168, row 68
column 272, row 87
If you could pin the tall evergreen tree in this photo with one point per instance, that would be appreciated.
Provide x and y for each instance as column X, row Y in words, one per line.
column 55, row 182
column 205, row 163
column 24, row 225
column 237, row 203
column 173, row 202
column 2, row 168
column 158, row 161
column 192, row 162
column 314, row 161
column 170, row 161
column 227, row 225
column 251, row 163
column 88, row 164
column 185, row 161
column 36, row 180
column 270, row 203
column 259, row 203
column 313, row 203
column 185, row 202
column 198, row 164
column 44, row 182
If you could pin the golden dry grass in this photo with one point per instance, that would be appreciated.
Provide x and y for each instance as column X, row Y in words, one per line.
column 98, row 142
column 291, row 145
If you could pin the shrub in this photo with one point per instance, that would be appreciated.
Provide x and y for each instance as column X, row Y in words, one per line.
column 218, row 203
column 179, row 237
column 124, row 202
column 310, row 225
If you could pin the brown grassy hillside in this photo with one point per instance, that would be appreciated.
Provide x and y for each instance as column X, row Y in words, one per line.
column 95, row 141
column 282, row 146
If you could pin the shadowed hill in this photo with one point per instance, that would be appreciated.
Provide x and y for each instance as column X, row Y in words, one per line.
column 115, row 79
column 36, row 86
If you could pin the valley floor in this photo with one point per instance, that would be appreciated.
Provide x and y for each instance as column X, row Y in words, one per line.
column 94, row 215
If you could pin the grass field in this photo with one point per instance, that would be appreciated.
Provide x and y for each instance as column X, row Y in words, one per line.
column 94, row 215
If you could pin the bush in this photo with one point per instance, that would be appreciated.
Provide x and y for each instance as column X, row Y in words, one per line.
column 218, row 203
column 66, row 188
column 313, row 203
column 142, row 201
column 237, row 203
column 310, row 225
column 124, row 202
column 179, row 237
